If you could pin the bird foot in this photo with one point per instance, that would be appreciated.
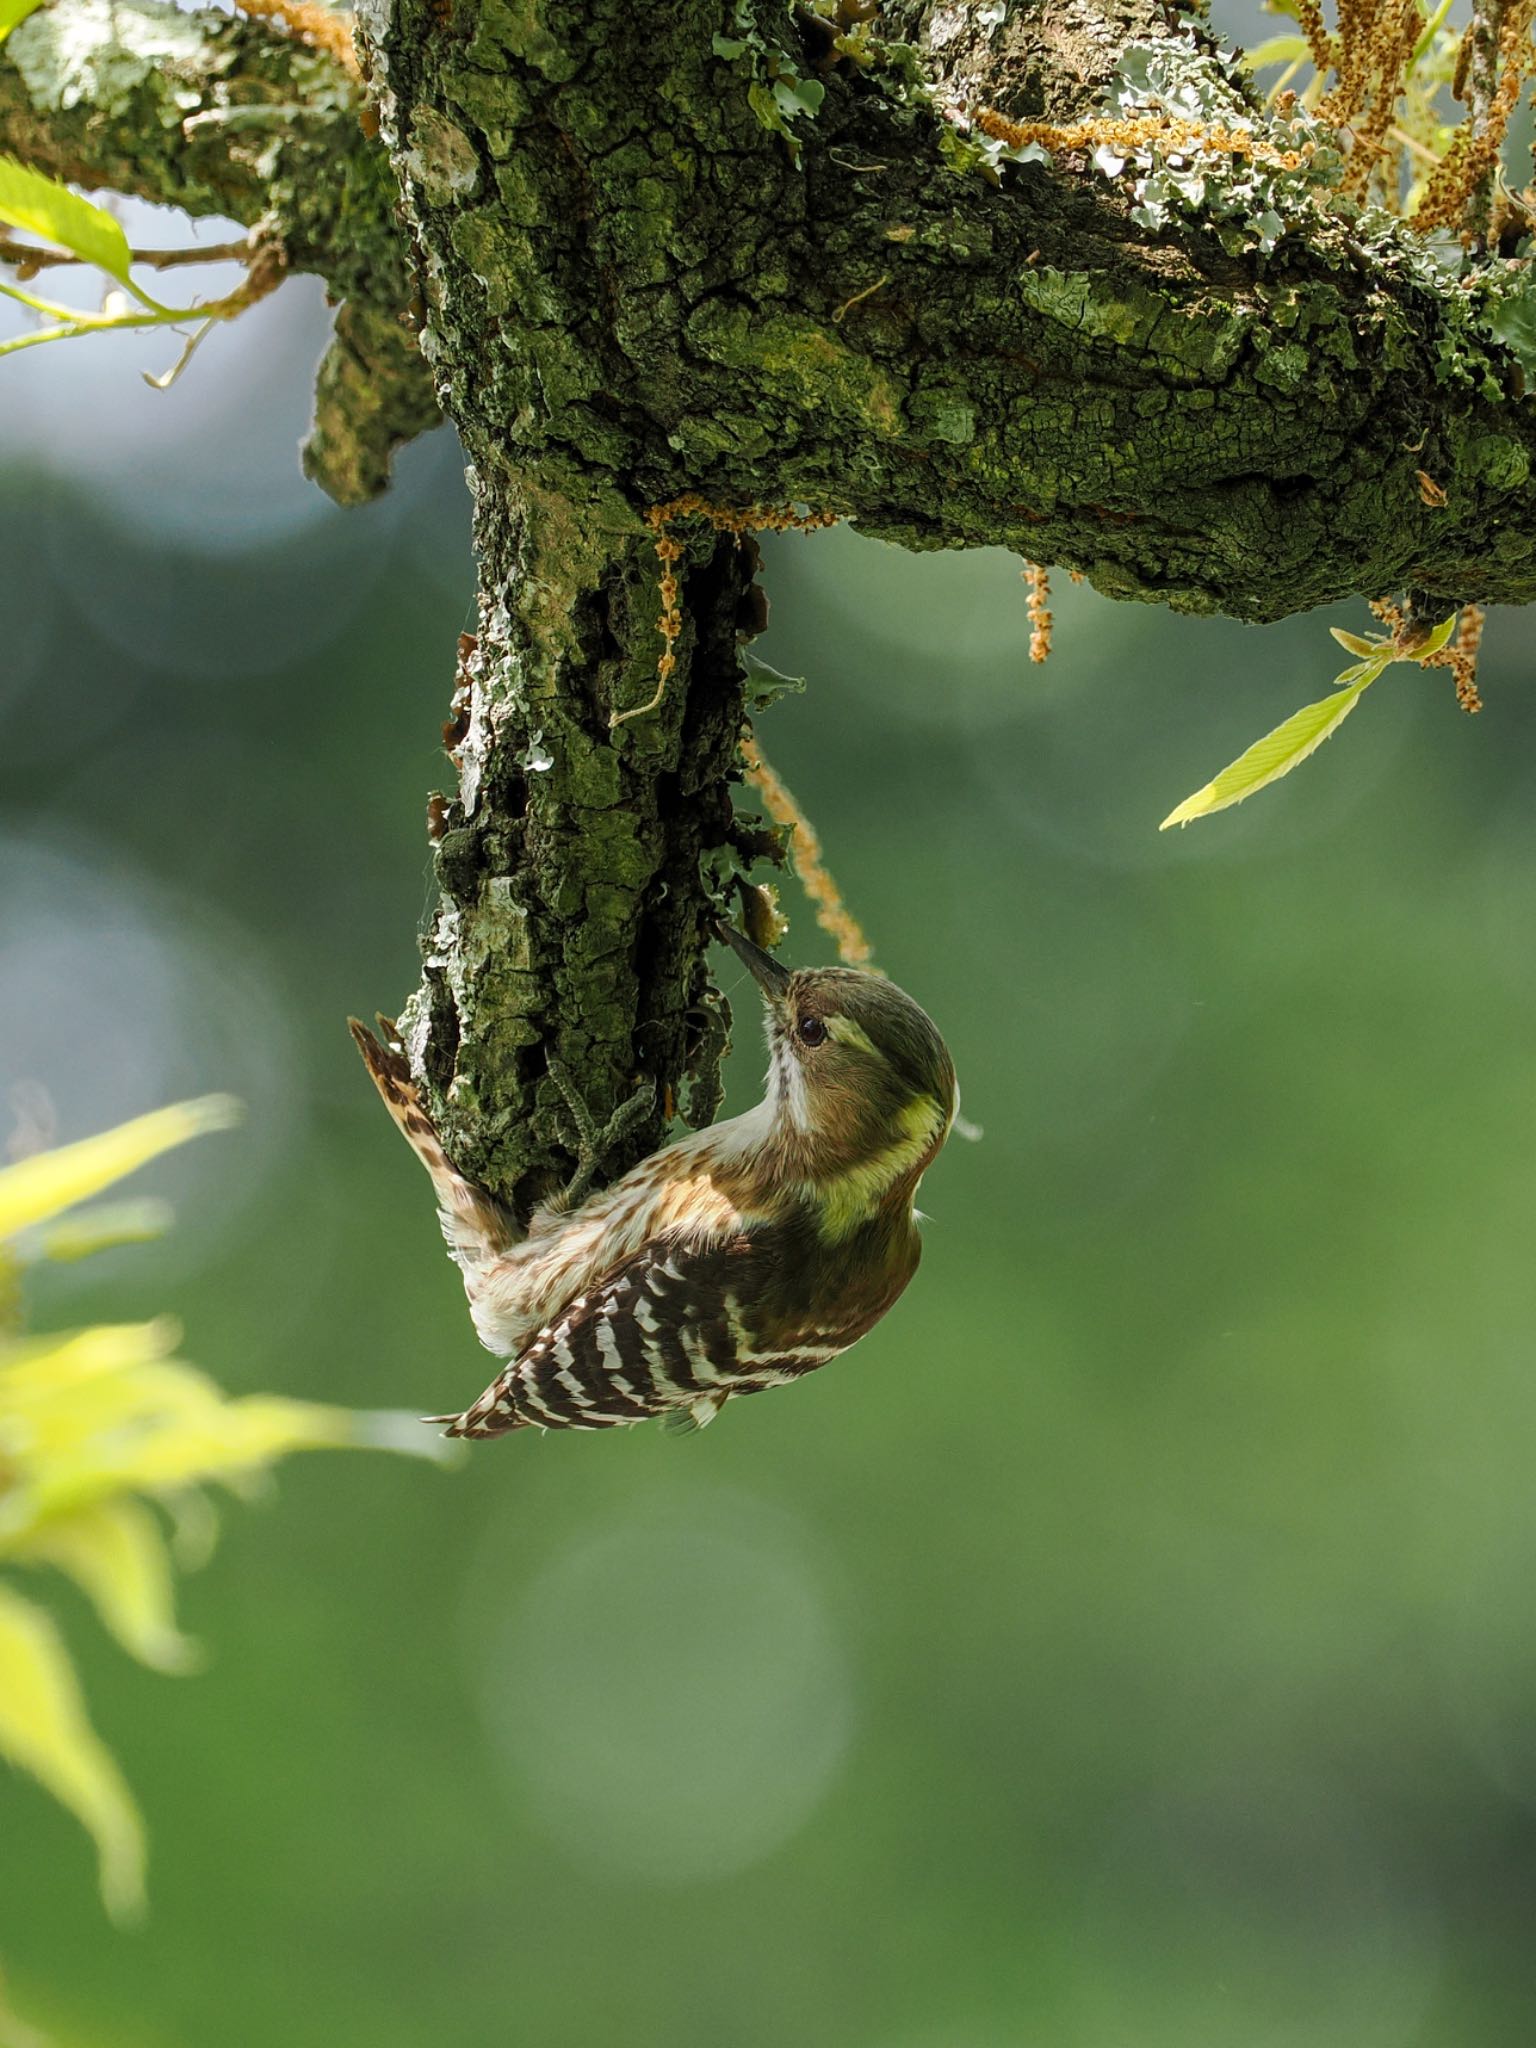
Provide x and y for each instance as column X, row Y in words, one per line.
column 596, row 1142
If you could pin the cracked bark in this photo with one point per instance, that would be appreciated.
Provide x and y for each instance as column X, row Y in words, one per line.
column 633, row 290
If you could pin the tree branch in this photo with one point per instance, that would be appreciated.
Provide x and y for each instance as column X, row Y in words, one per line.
column 1183, row 413
column 224, row 116
column 28, row 258
column 646, row 272
column 719, row 247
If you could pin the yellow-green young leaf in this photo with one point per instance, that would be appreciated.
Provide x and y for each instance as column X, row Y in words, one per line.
column 193, row 1440
column 39, row 1373
column 35, row 1189
column 1431, row 29
column 13, row 13
column 103, row 1225
column 107, row 1412
column 1365, row 671
column 1431, row 643
column 1273, row 756
column 194, row 1527
column 14, row 2032
column 116, row 1553
column 1356, row 644
column 1278, row 50
column 44, row 1730
column 45, row 207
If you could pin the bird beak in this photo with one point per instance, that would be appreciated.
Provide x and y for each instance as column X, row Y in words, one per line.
column 770, row 977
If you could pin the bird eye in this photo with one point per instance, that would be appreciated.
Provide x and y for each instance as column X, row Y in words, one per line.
column 812, row 1031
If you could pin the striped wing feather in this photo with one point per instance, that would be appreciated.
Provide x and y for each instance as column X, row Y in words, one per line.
column 675, row 1330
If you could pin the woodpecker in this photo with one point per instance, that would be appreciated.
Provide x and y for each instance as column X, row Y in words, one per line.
column 737, row 1259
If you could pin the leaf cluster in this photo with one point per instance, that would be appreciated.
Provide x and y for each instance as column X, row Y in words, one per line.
column 108, row 1443
column 1304, row 731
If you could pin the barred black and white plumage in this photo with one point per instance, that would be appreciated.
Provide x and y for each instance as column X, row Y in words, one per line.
column 737, row 1259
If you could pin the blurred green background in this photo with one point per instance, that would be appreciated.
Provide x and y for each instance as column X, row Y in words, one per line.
column 1131, row 1645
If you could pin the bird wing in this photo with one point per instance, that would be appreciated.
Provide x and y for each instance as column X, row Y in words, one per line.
column 678, row 1327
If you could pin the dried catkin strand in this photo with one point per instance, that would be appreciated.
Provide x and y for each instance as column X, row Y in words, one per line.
column 1464, row 664
column 1038, row 577
column 670, row 623
column 1309, row 15
column 1138, row 131
column 1377, row 84
column 313, row 23
column 724, row 519
column 1460, row 657
column 1457, row 192
column 739, row 519
column 832, row 914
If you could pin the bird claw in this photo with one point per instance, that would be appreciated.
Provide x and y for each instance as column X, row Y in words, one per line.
column 596, row 1142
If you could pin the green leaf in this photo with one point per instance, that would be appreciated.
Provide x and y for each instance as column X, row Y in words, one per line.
column 36, row 1189
column 44, row 1730
column 1281, row 750
column 1431, row 29
column 1364, row 671
column 89, row 1422
column 104, row 1225
column 1273, row 756
column 723, row 46
column 1278, row 50
column 1430, row 644
column 116, row 1553
column 1356, row 644
column 14, row 2031
column 42, row 206
column 13, row 13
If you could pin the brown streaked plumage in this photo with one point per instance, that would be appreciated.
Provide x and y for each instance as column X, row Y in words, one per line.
column 740, row 1257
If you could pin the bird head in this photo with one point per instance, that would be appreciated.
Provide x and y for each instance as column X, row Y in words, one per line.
column 861, row 1086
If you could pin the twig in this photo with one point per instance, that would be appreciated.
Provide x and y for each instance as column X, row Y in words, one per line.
column 29, row 259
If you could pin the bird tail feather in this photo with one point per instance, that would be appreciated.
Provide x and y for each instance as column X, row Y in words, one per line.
column 489, row 1416
column 478, row 1228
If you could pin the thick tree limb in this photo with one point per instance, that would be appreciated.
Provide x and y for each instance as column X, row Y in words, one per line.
column 653, row 261
column 1023, row 366
column 635, row 288
column 221, row 115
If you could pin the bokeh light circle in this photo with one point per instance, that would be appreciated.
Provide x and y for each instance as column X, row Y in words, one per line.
column 670, row 1697
column 117, row 995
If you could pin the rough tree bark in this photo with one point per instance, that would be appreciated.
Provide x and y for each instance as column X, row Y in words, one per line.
column 652, row 258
